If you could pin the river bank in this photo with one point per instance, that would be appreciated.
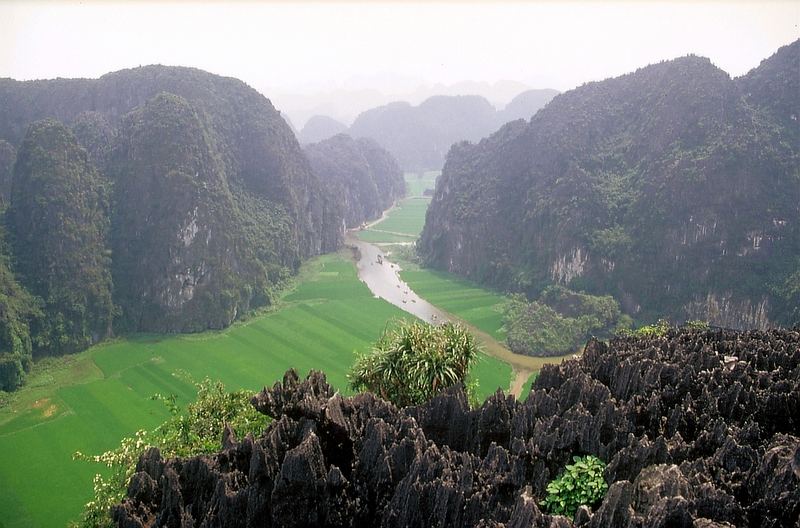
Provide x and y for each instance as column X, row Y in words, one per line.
column 382, row 277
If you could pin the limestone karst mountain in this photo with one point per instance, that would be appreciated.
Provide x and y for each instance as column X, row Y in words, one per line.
column 674, row 188
column 420, row 136
column 188, row 189
column 361, row 178
column 319, row 128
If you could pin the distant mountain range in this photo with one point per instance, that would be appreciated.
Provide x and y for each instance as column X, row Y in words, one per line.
column 674, row 188
column 420, row 136
column 344, row 104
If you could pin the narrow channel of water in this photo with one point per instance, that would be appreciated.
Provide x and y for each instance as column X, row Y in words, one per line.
column 382, row 277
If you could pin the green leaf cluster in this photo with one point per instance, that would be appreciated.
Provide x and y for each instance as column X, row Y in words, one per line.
column 657, row 329
column 196, row 430
column 580, row 484
column 412, row 362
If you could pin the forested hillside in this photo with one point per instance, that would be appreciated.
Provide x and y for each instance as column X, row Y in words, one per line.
column 59, row 225
column 157, row 199
column 361, row 178
column 674, row 188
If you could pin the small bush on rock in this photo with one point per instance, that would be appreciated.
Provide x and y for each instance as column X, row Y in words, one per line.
column 410, row 364
column 196, row 430
column 580, row 483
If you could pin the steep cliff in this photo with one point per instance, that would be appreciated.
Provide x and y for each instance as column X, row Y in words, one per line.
column 257, row 148
column 18, row 309
column 58, row 221
column 698, row 429
column 8, row 155
column 214, row 202
column 673, row 188
column 360, row 177
column 177, row 265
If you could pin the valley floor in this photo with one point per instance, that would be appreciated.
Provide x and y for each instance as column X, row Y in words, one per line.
column 89, row 401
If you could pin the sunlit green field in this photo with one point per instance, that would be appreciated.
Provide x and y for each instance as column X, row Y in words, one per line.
column 407, row 218
column 404, row 223
column 381, row 237
column 465, row 299
column 91, row 400
column 416, row 184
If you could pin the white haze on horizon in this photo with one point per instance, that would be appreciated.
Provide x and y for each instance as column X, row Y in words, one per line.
column 306, row 54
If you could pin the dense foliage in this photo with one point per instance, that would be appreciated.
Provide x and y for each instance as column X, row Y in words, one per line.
column 177, row 265
column 198, row 429
column 414, row 361
column 580, row 484
column 209, row 182
column 559, row 321
column 18, row 309
column 8, row 154
column 675, row 188
column 59, row 225
column 361, row 178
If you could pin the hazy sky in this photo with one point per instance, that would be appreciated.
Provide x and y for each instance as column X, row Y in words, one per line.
column 305, row 46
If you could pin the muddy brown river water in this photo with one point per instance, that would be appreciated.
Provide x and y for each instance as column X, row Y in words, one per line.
column 382, row 277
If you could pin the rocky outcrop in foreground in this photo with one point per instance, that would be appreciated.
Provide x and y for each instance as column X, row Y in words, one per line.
column 699, row 429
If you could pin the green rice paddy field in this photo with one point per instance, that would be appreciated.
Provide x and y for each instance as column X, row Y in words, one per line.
column 404, row 223
column 89, row 401
column 417, row 183
column 465, row 299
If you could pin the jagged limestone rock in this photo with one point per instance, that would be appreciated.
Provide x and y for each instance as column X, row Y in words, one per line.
column 682, row 454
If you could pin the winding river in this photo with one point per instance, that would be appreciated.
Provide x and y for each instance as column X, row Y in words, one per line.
column 382, row 277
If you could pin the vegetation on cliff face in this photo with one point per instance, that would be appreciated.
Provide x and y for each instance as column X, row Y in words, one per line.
column 177, row 264
column 211, row 202
column 361, row 178
column 8, row 155
column 674, row 188
column 18, row 309
column 59, row 225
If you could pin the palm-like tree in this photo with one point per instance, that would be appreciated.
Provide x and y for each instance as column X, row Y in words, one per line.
column 413, row 361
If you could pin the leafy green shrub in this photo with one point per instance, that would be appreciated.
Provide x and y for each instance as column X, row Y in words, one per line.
column 559, row 321
column 657, row 329
column 696, row 325
column 580, row 483
column 197, row 430
column 409, row 364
